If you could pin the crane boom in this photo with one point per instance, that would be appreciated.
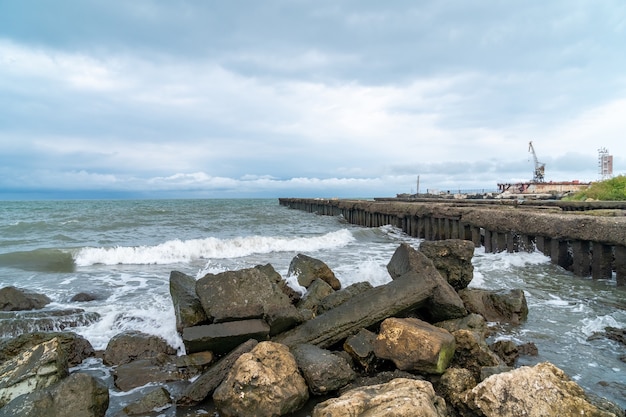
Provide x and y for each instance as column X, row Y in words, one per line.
column 540, row 167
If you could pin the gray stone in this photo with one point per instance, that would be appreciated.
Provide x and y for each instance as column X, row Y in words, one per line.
column 159, row 369
column 316, row 292
column 339, row 297
column 16, row 299
column 360, row 347
column 187, row 306
column 452, row 258
column 75, row 347
column 473, row 322
column 131, row 345
column 323, row 371
column 78, row 395
column 496, row 306
column 221, row 338
column 156, row 400
column 308, row 269
column 16, row 323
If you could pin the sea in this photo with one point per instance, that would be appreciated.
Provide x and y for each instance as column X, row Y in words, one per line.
column 123, row 251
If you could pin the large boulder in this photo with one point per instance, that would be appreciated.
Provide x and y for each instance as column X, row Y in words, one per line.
column 221, row 338
column 498, row 306
column 75, row 347
column 339, row 297
column 453, row 384
column 452, row 258
column 308, row 269
column 444, row 303
column 538, row 391
column 78, row 395
column 130, row 345
column 187, row 306
column 249, row 293
column 262, row 382
column 414, row 345
column 473, row 353
column 413, row 289
column 17, row 299
column 323, row 370
column 34, row 368
column 399, row 398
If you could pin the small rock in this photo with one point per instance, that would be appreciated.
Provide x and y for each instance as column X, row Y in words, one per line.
column 308, row 269
column 156, row 400
column 16, row 299
column 130, row 345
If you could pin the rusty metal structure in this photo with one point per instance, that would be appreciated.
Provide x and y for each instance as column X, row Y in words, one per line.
column 540, row 167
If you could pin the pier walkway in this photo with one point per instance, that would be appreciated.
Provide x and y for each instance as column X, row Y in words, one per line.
column 586, row 239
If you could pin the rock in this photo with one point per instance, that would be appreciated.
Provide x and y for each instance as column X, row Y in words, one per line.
column 538, row 391
column 75, row 347
column 309, row 269
column 245, row 294
column 414, row 345
column 528, row 349
column 361, row 348
column 453, row 383
column 507, row 350
column 187, row 306
column 158, row 369
column 377, row 378
column 473, row 322
column 487, row 371
column 15, row 323
column 268, row 269
column 444, row 303
column 399, row 398
column 498, row 306
column 16, row 299
column 404, row 295
column 204, row 386
column 78, row 395
column 316, row 292
column 34, row 368
column 131, row 345
column 323, row 371
column 83, row 297
column 472, row 352
column 221, row 338
column 452, row 258
column 262, row 382
column 156, row 400
column 336, row 298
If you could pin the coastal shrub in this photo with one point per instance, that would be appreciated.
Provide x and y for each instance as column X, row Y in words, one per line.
column 613, row 189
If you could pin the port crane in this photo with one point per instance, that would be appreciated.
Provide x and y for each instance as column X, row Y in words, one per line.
column 540, row 167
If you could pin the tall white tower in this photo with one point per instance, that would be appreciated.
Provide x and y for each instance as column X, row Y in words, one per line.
column 605, row 164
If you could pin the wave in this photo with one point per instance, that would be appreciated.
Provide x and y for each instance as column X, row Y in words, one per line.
column 177, row 251
column 40, row 260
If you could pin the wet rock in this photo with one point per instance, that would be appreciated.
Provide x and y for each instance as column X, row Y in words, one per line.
column 452, row 258
column 75, row 347
column 16, row 299
column 414, row 345
column 204, row 386
column 268, row 269
column 339, row 297
column 323, row 371
column 83, row 297
column 262, row 382
column 473, row 353
column 131, row 345
column 411, row 290
column 221, row 338
column 316, row 292
column 444, row 303
column 528, row 349
column 15, row 323
column 453, row 383
column 541, row 390
column 400, row 398
column 361, row 348
column 78, row 395
column 308, row 269
column 244, row 294
column 187, row 306
column 34, row 368
column 507, row 350
column 473, row 322
column 156, row 400
column 158, row 369
column 498, row 306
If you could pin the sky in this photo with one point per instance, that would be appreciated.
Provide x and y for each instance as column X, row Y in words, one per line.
column 305, row 98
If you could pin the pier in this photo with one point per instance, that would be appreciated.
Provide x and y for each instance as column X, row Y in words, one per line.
column 587, row 239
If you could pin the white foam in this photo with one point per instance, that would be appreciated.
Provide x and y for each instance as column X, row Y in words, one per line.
column 179, row 251
column 369, row 270
column 597, row 324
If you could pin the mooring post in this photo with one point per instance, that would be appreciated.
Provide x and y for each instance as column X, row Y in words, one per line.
column 601, row 261
column 581, row 261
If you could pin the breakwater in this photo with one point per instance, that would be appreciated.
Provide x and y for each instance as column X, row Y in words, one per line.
column 591, row 242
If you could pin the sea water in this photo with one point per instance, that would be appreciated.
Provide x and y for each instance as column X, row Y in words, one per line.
column 123, row 252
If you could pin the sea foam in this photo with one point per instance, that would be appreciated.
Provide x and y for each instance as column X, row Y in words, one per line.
column 176, row 251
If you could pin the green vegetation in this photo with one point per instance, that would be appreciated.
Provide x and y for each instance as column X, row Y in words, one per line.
column 613, row 189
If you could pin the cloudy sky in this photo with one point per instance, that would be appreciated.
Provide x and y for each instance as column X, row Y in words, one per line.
column 317, row 98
